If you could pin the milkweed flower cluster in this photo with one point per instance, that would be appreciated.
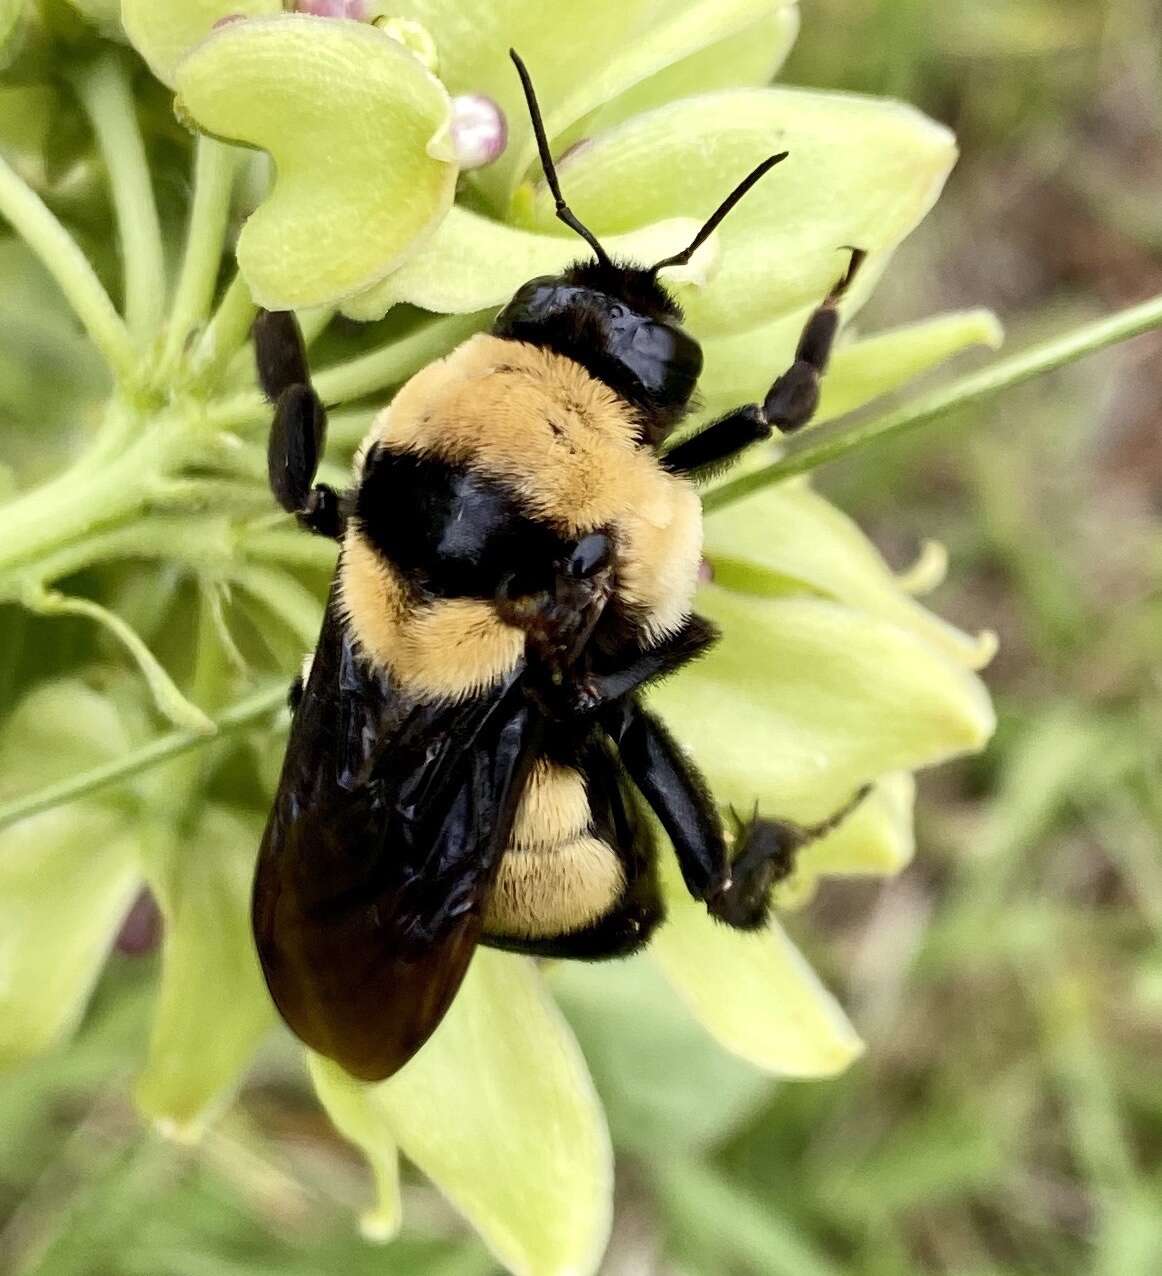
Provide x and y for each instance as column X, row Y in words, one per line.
column 372, row 162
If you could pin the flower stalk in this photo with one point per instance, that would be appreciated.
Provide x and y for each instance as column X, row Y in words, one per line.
column 103, row 87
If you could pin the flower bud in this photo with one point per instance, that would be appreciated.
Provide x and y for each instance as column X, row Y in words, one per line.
column 479, row 130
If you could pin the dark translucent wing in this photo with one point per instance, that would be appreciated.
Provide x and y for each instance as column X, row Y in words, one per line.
column 388, row 823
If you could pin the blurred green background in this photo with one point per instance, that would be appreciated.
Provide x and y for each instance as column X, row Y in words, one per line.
column 1007, row 1117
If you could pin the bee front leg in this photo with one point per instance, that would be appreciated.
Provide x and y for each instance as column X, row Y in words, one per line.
column 558, row 621
column 790, row 402
column 299, row 429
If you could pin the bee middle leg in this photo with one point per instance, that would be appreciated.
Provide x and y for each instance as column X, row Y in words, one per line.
column 299, row 429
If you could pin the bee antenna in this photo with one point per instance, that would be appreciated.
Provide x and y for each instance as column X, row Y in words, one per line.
column 712, row 222
column 564, row 212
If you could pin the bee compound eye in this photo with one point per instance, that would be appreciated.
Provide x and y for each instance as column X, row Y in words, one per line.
column 591, row 555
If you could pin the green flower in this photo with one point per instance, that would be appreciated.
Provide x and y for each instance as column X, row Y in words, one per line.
column 136, row 500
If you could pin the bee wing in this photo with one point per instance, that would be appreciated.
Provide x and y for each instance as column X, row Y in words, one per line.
column 388, row 824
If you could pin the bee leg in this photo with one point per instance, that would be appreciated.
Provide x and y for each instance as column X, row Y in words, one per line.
column 766, row 856
column 299, row 429
column 559, row 621
column 603, row 686
column 790, row 402
column 677, row 793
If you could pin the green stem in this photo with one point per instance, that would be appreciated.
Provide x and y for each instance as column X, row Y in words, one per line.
column 828, row 443
column 167, row 697
column 104, row 90
column 215, row 168
column 196, row 543
column 58, row 251
column 245, row 713
column 225, row 334
column 47, row 518
column 394, row 363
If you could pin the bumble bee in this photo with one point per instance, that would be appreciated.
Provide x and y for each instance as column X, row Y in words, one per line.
column 469, row 752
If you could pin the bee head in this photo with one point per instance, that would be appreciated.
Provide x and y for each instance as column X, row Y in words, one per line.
column 622, row 326
column 615, row 318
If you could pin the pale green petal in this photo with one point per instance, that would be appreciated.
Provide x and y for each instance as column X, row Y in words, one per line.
column 57, row 729
column 632, row 1027
column 67, row 877
column 365, row 174
column 11, row 14
column 499, row 1112
column 472, row 263
column 213, row 1007
column 865, row 369
column 740, row 368
column 752, row 56
column 164, row 31
column 673, row 34
column 787, row 537
column 359, row 1118
column 580, row 57
column 105, row 15
column 753, row 991
column 877, row 838
column 804, row 700
column 861, row 171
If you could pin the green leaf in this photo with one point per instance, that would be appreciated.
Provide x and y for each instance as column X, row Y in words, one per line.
column 876, row 838
column 67, row 879
column 498, row 1110
column 816, row 548
column 861, row 171
column 472, row 263
column 164, row 31
column 213, row 1007
column 67, row 876
column 740, row 368
column 632, row 1027
column 366, row 173
column 752, row 991
column 751, row 56
column 804, row 700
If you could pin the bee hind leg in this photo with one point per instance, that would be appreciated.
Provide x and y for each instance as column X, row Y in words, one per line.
column 766, row 856
column 299, row 429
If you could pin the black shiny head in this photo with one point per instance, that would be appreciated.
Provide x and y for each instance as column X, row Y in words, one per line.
column 622, row 326
column 615, row 318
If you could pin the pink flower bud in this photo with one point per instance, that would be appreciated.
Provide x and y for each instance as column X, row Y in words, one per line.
column 356, row 9
column 140, row 932
column 479, row 130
